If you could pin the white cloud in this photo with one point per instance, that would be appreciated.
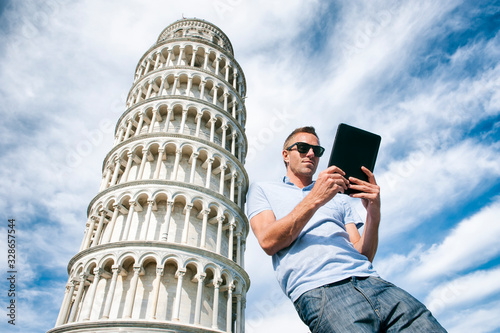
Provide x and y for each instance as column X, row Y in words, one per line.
column 473, row 242
column 428, row 182
column 274, row 316
column 483, row 319
column 464, row 291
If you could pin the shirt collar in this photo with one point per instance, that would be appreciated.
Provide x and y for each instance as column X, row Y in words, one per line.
column 287, row 181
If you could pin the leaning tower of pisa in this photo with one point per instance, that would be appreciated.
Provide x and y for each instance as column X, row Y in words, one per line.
column 164, row 242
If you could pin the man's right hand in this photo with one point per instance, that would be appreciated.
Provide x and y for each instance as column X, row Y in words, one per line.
column 330, row 182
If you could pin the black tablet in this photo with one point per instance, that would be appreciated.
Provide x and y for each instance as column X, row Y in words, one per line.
column 353, row 148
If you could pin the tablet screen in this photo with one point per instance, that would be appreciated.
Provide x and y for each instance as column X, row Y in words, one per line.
column 353, row 148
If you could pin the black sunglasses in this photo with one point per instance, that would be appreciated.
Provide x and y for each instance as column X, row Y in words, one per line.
column 303, row 148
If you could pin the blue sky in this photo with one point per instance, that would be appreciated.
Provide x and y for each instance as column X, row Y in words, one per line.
column 423, row 74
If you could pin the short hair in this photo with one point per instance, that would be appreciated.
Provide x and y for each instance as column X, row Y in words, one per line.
column 305, row 129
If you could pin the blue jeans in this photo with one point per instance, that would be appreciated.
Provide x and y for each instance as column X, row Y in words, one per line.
column 364, row 304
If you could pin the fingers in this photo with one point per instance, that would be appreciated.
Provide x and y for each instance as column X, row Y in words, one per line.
column 371, row 177
column 369, row 174
column 334, row 169
column 368, row 189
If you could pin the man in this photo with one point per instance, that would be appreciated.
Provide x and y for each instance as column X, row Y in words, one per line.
column 321, row 261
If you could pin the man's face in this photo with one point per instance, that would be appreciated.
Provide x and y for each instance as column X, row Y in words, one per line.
column 302, row 164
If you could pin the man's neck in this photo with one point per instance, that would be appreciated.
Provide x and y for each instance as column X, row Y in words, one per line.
column 299, row 181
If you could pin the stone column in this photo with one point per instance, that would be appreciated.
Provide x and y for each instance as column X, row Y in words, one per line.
column 98, row 272
column 156, row 292
column 78, row 299
column 139, row 125
column 220, row 220
column 165, row 227
column 111, row 225
column 181, row 53
column 137, row 74
column 229, row 308
column 193, row 58
column 127, row 168
column 144, row 233
column 233, row 109
column 212, row 128
column 202, row 89
column 240, row 190
column 222, row 180
column 150, row 88
column 85, row 234
column 223, row 138
column 183, row 121
column 177, row 303
column 230, row 241
column 238, row 313
column 185, row 230
column 167, row 121
column 194, row 156
column 216, row 90
column 158, row 164
column 178, row 154
column 242, row 258
column 143, row 164
column 226, row 72
column 240, row 152
column 90, row 232
column 68, row 295
column 215, row 310
column 129, row 128
column 174, row 86
column 139, row 95
column 157, row 61
column 198, row 124
column 162, row 86
column 199, row 294
column 217, row 62
column 153, row 121
column 99, row 228
column 205, row 62
column 238, row 248
column 146, row 68
column 129, row 219
column 235, row 75
column 104, row 183
column 239, row 116
column 116, row 171
column 233, row 143
column 209, row 171
column 169, row 57
column 225, row 100
column 203, row 238
column 111, row 292
column 189, row 84
column 129, row 302
column 234, row 175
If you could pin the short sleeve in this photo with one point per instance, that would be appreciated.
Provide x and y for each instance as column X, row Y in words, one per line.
column 350, row 215
column 256, row 201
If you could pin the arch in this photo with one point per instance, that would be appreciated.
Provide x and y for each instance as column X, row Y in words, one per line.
column 147, row 258
column 107, row 261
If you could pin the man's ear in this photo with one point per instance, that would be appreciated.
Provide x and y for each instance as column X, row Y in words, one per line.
column 286, row 157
